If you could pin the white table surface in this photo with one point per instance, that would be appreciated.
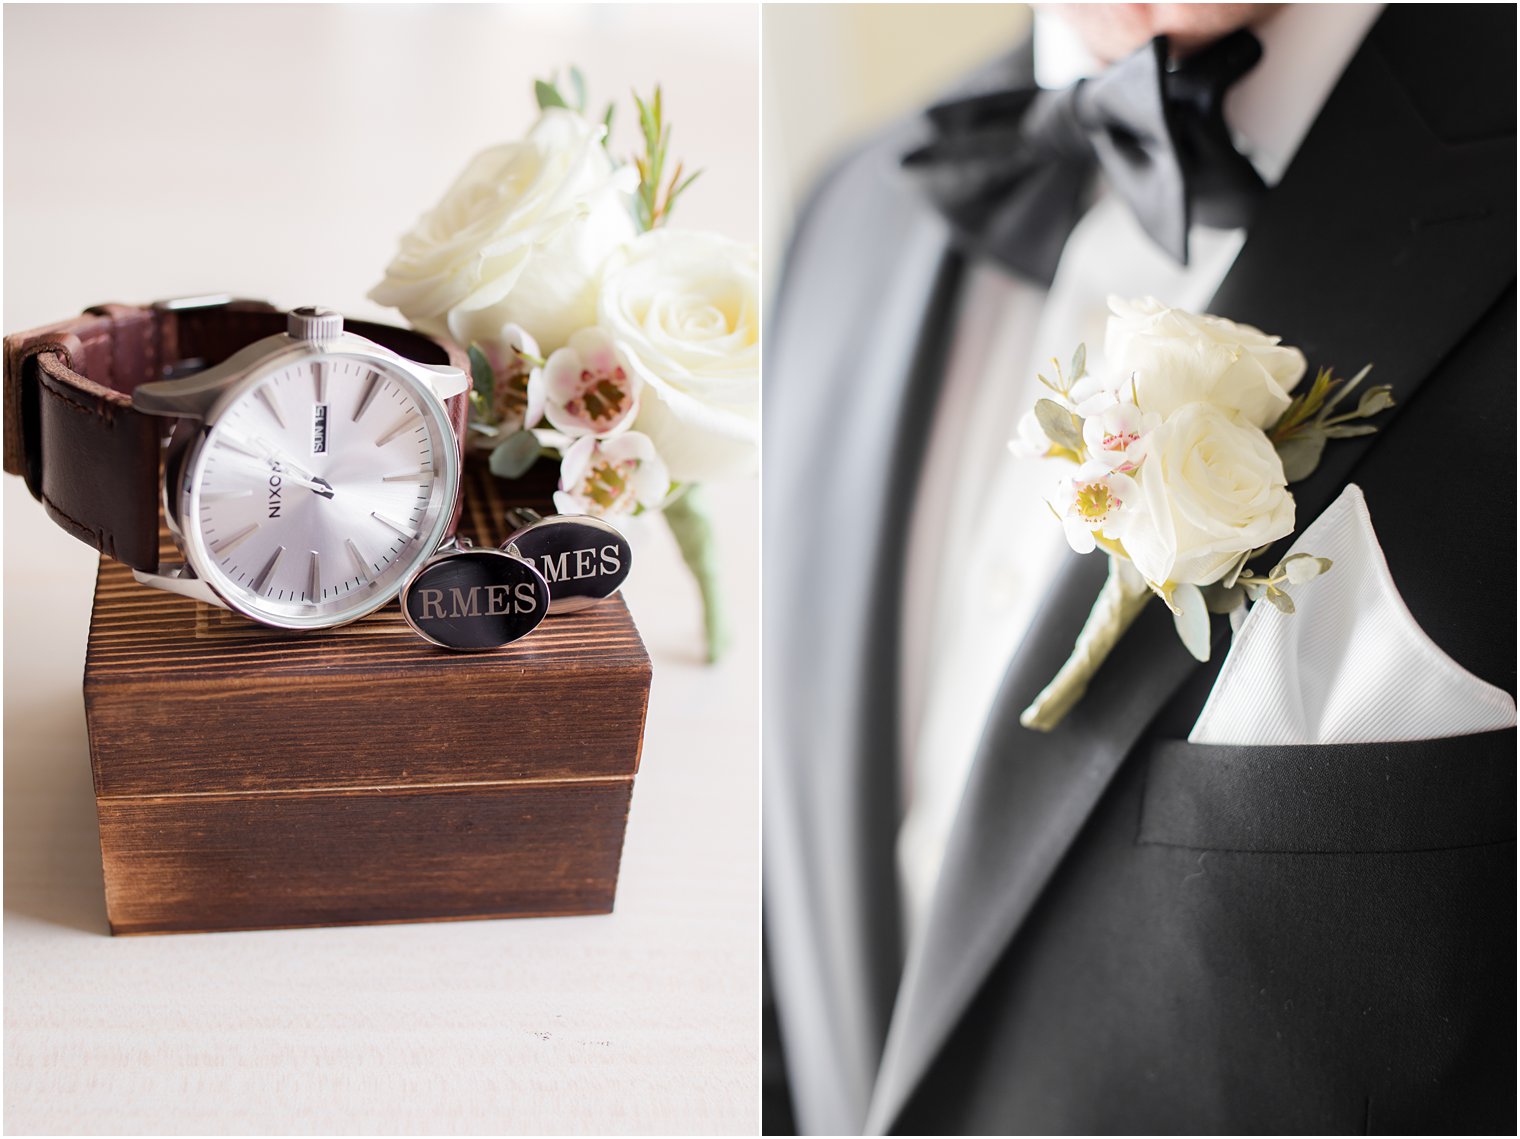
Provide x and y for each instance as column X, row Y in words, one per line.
column 149, row 152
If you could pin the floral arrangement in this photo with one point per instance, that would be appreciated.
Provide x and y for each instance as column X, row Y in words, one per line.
column 1176, row 464
column 599, row 336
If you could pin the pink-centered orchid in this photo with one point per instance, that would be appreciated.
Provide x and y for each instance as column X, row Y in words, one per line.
column 518, row 395
column 1096, row 500
column 589, row 387
column 1111, row 436
column 611, row 477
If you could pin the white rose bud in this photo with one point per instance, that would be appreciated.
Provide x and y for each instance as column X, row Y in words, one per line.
column 1211, row 487
column 684, row 307
column 1177, row 357
column 520, row 237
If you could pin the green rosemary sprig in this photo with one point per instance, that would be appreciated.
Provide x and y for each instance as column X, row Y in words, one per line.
column 1301, row 432
column 657, row 195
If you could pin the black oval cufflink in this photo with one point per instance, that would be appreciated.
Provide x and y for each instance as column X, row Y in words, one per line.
column 470, row 599
column 583, row 559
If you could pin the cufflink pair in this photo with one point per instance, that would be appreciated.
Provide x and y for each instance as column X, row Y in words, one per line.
column 470, row 598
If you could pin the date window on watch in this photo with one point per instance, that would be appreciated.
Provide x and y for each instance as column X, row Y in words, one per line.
column 319, row 429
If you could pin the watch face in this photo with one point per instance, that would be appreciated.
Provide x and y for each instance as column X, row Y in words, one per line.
column 319, row 489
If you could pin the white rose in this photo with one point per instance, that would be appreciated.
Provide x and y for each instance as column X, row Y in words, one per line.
column 685, row 309
column 519, row 238
column 1211, row 487
column 1178, row 357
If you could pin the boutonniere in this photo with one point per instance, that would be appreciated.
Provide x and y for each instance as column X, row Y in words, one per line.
column 1176, row 464
column 601, row 337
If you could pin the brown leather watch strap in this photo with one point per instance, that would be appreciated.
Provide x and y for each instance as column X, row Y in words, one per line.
column 91, row 458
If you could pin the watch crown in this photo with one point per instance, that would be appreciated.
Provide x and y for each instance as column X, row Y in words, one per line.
column 310, row 323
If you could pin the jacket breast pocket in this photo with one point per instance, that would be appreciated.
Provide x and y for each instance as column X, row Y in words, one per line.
column 1415, row 795
column 1337, row 920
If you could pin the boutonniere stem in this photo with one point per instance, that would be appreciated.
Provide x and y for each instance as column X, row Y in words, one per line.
column 1120, row 601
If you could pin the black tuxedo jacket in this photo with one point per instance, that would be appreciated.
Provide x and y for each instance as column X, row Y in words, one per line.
column 1134, row 933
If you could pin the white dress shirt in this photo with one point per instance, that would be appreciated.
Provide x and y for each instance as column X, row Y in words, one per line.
column 983, row 548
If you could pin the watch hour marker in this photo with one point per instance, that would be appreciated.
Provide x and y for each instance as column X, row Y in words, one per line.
column 403, row 476
column 268, row 570
column 319, row 377
column 372, row 390
column 396, row 526
column 314, row 583
column 224, row 495
column 359, row 562
column 410, row 419
column 274, row 409
column 231, row 540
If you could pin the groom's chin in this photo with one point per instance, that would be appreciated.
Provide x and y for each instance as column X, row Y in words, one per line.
column 1113, row 31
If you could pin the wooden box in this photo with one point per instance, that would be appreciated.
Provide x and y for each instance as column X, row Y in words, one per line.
column 247, row 778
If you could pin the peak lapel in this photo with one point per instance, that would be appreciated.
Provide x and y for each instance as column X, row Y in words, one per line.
column 1383, row 243
column 1410, row 245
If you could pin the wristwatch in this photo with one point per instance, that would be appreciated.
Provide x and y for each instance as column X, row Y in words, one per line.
column 307, row 468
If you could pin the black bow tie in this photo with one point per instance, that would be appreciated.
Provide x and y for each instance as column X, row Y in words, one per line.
column 1008, row 168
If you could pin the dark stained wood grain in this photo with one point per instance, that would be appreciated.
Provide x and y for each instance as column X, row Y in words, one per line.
column 272, row 724
column 358, row 774
column 268, row 861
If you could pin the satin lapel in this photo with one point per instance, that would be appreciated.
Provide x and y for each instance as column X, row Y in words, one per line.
column 1409, row 247
column 841, row 461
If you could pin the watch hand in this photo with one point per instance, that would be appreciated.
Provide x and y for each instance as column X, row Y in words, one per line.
column 287, row 464
column 259, row 448
column 302, row 478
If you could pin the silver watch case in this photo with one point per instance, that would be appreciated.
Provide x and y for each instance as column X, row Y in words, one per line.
column 197, row 403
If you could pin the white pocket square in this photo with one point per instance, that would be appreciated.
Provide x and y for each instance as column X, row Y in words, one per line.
column 1351, row 665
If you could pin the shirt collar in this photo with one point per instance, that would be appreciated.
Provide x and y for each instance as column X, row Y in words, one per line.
column 1304, row 49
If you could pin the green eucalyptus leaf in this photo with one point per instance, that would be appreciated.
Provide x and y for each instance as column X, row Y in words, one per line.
column 1375, row 400
column 1300, row 568
column 512, row 458
column 1191, row 616
column 485, row 384
column 1223, row 599
column 1349, row 430
column 1060, row 425
column 578, row 85
column 1301, row 454
column 1280, row 600
column 1079, row 363
column 547, row 95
